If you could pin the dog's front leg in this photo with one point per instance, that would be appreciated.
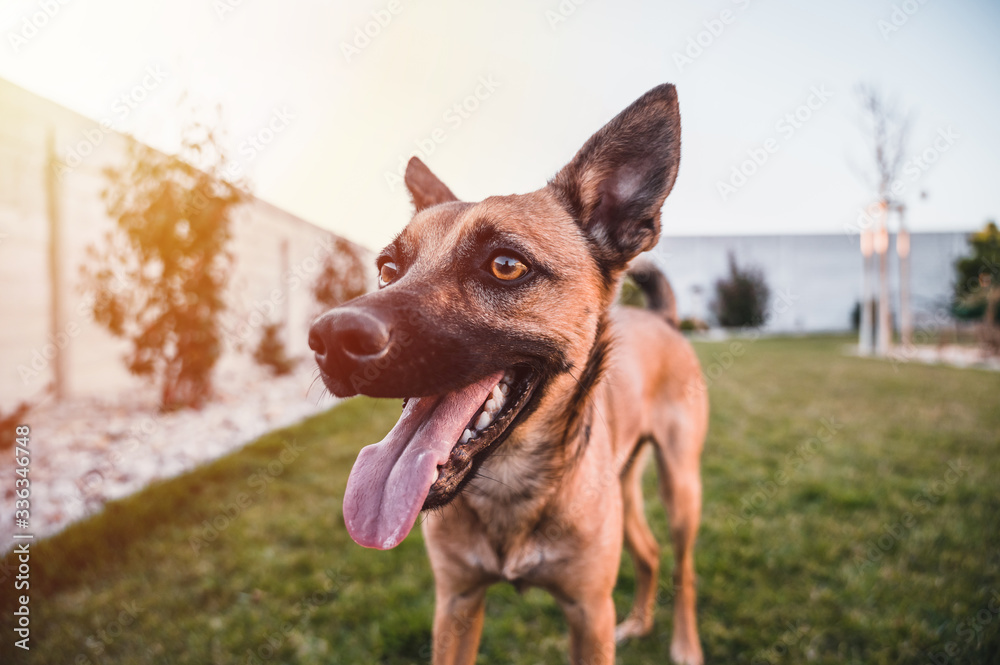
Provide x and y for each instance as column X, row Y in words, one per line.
column 591, row 630
column 458, row 623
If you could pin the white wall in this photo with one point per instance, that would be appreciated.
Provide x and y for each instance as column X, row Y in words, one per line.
column 93, row 358
column 817, row 277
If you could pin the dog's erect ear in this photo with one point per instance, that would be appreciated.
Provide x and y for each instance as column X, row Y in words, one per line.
column 617, row 182
column 424, row 186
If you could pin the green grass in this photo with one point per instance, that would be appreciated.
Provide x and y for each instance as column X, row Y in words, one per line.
column 789, row 559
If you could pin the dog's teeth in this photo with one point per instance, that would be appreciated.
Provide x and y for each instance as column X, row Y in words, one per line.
column 466, row 435
column 484, row 420
column 498, row 394
column 491, row 406
column 503, row 388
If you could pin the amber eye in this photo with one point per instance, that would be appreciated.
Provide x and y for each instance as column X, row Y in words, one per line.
column 507, row 268
column 387, row 273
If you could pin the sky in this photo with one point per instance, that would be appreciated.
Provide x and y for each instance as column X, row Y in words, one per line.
column 322, row 101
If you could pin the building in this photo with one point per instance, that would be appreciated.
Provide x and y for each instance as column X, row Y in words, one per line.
column 815, row 280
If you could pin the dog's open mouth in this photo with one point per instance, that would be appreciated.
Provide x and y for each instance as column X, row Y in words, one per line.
column 429, row 454
column 482, row 432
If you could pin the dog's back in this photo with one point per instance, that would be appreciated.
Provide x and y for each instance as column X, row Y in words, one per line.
column 653, row 382
column 653, row 392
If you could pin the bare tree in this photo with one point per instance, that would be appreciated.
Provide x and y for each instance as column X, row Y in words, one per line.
column 886, row 130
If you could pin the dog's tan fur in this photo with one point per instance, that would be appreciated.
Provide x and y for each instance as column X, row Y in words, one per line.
column 566, row 535
column 553, row 505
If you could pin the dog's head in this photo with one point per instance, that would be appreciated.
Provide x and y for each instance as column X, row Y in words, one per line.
column 487, row 314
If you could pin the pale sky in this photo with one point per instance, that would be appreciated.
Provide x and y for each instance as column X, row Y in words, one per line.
column 339, row 122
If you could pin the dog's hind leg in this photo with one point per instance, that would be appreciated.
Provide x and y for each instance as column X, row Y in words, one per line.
column 643, row 549
column 678, row 457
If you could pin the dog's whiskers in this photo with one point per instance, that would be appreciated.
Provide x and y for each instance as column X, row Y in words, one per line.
column 480, row 474
column 323, row 390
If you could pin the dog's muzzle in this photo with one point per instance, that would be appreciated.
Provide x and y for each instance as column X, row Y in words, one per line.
column 397, row 343
column 347, row 340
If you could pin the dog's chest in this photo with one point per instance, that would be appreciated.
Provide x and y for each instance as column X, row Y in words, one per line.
column 522, row 566
column 507, row 550
column 533, row 562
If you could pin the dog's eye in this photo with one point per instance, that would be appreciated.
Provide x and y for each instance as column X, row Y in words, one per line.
column 507, row 267
column 387, row 273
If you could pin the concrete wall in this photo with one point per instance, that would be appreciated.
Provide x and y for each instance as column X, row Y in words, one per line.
column 277, row 256
column 817, row 277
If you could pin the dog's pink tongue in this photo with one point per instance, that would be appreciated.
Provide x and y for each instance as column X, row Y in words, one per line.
column 391, row 478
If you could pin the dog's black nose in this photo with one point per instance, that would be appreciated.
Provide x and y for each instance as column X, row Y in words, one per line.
column 316, row 342
column 347, row 333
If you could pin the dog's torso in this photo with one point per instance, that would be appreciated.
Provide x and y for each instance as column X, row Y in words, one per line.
column 539, row 505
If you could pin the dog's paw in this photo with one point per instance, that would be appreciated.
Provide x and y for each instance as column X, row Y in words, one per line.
column 685, row 652
column 632, row 627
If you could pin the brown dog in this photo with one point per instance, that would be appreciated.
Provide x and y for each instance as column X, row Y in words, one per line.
column 529, row 397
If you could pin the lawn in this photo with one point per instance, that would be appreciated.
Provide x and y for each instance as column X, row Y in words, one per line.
column 852, row 515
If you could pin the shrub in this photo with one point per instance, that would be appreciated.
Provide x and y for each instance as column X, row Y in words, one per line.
column 692, row 324
column 270, row 351
column 741, row 298
column 977, row 273
column 631, row 295
column 9, row 423
column 342, row 276
column 977, row 286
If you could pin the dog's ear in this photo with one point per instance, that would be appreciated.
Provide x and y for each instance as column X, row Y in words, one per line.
column 616, row 184
column 424, row 186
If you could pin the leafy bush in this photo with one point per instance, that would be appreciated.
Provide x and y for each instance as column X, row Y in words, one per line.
column 270, row 351
column 692, row 324
column 342, row 276
column 977, row 286
column 977, row 273
column 10, row 421
column 631, row 295
column 741, row 298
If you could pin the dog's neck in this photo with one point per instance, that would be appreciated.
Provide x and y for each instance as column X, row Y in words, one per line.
column 515, row 485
